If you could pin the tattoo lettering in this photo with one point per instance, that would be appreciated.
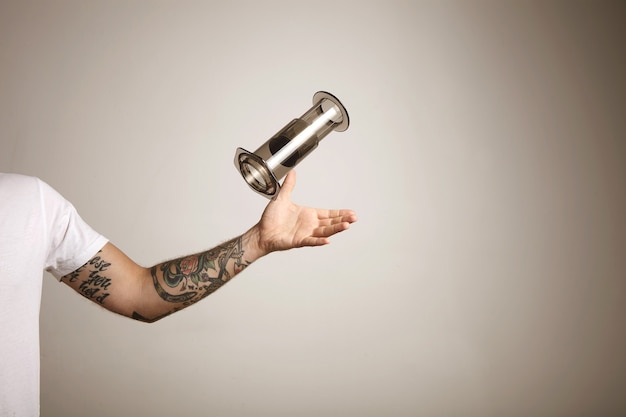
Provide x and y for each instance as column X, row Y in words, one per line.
column 73, row 276
column 191, row 279
column 95, row 287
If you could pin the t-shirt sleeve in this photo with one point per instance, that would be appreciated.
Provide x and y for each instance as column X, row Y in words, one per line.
column 71, row 241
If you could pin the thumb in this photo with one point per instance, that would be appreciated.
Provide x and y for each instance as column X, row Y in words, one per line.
column 288, row 184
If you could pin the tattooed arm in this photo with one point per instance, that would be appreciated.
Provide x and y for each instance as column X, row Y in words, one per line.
column 113, row 280
column 117, row 283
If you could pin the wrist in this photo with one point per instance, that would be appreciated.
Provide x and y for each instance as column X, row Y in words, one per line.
column 252, row 245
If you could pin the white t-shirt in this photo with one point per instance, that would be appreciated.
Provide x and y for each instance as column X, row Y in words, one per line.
column 39, row 230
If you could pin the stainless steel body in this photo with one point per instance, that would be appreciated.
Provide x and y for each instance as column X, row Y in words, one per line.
column 265, row 167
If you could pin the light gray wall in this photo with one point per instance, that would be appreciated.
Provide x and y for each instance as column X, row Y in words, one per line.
column 486, row 159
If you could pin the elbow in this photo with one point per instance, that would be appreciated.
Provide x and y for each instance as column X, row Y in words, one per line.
column 139, row 317
column 145, row 301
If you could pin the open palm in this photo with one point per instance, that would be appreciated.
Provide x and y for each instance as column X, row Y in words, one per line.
column 285, row 225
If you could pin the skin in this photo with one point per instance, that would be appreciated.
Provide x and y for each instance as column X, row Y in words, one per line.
column 116, row 282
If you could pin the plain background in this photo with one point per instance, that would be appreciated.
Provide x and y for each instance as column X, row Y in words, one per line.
column 486, row 159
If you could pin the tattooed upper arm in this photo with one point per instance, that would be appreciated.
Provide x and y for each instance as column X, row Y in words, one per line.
column 91, row 280
column 110, row 279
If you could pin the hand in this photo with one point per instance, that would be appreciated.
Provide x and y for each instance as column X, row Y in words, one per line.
column 285, row 225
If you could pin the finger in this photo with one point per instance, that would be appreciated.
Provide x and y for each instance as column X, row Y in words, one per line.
column 334, row 220
column 332, row 216
column 330, row 230
column 315, row 241
column 288, row 184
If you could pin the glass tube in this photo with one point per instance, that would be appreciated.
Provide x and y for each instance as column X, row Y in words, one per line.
column 264, row 168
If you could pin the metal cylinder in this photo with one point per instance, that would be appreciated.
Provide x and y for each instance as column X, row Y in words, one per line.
column 264, row 168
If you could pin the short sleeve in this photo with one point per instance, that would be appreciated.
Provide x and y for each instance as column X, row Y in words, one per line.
column 71, row 241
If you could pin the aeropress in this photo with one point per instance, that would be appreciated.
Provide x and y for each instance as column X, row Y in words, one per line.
column 264, row 168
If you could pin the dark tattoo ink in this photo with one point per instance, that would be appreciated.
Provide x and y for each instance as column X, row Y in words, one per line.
column 199, row 275
column 95, row 286
column 73, row 276
column 139, row 317
column 180, row 298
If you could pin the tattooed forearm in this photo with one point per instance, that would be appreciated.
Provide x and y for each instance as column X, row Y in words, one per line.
column 190, row 279
column 95, row 285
